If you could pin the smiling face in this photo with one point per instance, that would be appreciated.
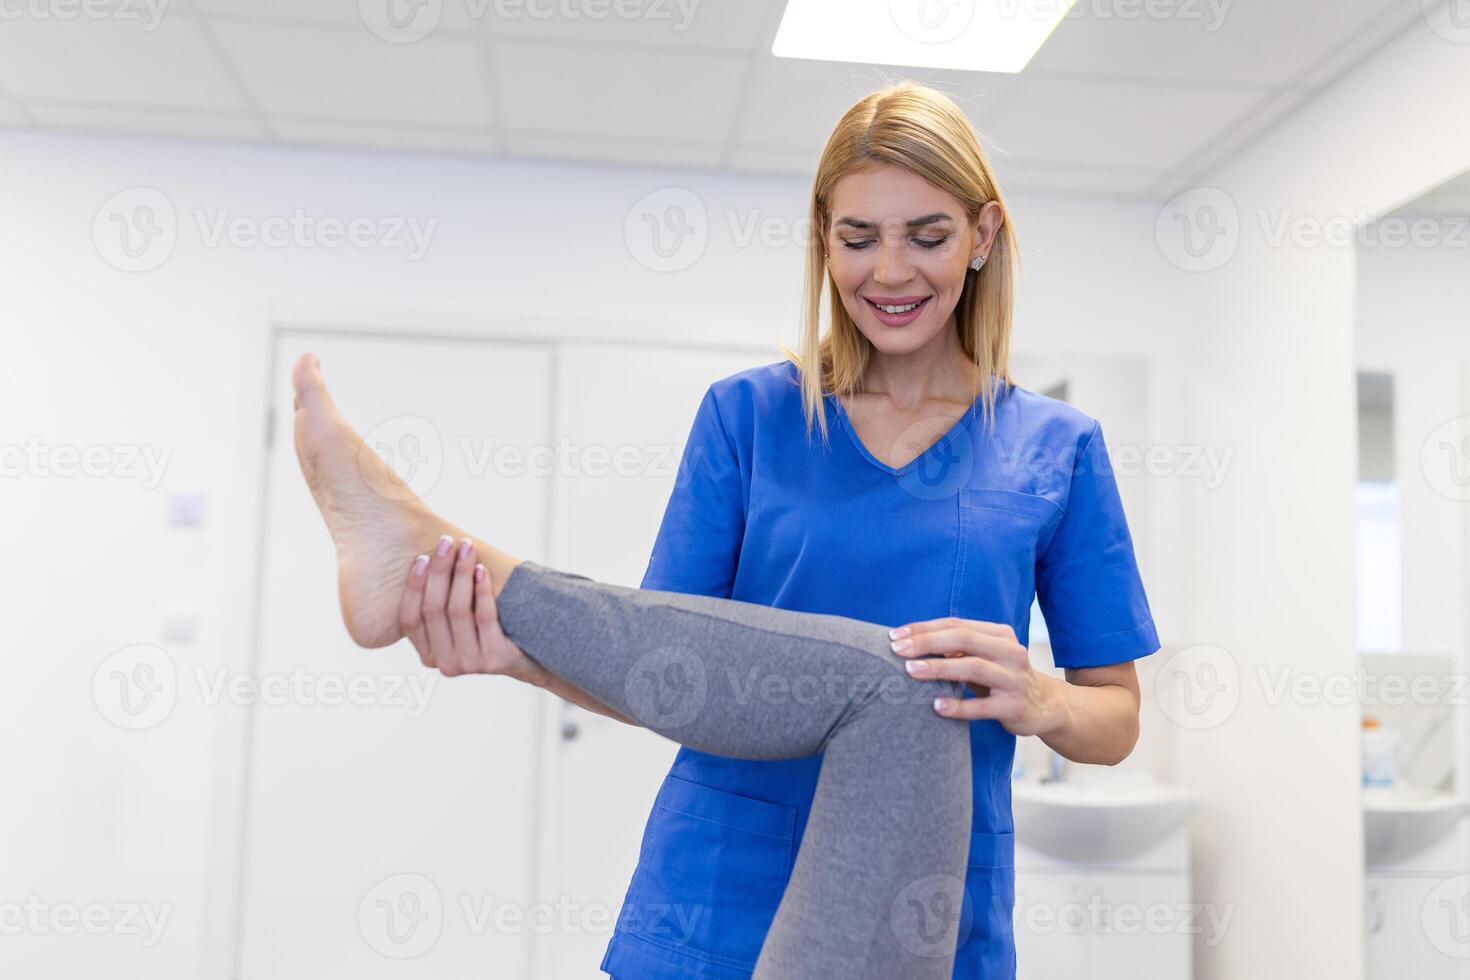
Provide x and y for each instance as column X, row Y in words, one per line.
column 899, row 249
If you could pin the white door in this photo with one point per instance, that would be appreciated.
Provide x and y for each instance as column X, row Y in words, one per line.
column 1417, row 927
column 1145, row 926
column 391, row 834
column 1051, row 927
column 624, row 413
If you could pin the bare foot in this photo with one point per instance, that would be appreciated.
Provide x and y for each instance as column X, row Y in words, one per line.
column 377, row 523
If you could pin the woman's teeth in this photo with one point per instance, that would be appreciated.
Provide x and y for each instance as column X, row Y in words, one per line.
column 897, row 309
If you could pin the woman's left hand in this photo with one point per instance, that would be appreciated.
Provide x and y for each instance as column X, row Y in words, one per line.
column 988, row 659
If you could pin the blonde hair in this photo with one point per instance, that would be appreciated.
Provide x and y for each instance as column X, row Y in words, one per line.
column 922, row 130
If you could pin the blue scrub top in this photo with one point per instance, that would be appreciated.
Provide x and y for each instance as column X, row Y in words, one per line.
column 976, row 526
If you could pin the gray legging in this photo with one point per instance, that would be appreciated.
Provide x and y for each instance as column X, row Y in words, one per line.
column 878, row 883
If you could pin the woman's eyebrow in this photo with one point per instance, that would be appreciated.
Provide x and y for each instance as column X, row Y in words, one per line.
column 919, row 222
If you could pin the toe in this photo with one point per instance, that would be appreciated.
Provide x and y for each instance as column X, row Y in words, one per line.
column 310, row 387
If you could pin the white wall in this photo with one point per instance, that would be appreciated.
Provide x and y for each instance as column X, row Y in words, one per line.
column 171, row 359
column 1272, row 373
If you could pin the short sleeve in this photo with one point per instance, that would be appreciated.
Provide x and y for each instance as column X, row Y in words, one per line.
column 1087, row 580
column 698, row 544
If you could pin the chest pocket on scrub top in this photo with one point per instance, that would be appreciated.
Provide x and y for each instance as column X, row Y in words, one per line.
column 1001, row 533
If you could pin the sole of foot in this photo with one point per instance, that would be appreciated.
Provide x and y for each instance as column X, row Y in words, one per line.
column 376, row 522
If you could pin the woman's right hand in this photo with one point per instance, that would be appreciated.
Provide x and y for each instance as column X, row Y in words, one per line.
column 448, row 613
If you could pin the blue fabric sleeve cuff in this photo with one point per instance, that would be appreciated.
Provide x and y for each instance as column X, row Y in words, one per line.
column 1110, row 648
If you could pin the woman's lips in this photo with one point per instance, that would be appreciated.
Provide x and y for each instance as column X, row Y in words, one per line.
column 898, row 319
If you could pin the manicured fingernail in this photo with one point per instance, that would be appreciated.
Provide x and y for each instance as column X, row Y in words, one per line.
column 899, row 646
column 466, row 548
column 445, row 541
column 479, row 573
column 917, row 667
column 941, row 705
column 898, row 634
column 420, row 564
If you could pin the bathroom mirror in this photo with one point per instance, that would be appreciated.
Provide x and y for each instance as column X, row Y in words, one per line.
column 1410, row 497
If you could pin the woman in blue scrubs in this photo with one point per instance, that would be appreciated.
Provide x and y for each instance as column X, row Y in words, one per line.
column 890, row 472
column 890, row 483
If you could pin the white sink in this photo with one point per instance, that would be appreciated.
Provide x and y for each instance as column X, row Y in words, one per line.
column 1399, row 823
column 1077, row 822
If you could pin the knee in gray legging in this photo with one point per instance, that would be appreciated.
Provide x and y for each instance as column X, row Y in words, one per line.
column 877, row 888
column 890, row 824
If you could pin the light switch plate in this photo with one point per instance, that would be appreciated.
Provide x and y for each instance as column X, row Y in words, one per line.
column 180, row 626
column 186, row 509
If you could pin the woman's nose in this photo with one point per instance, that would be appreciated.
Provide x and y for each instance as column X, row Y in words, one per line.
column 893, row 265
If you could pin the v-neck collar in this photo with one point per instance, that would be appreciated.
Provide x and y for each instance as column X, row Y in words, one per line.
column 960, row 425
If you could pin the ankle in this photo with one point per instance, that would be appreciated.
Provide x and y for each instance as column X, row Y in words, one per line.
column 425, row 526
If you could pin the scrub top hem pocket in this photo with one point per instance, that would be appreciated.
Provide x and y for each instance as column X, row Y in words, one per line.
column 711, row 873
column 632, row 957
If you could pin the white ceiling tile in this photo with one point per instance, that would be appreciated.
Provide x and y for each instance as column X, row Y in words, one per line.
column 1251, row 42
column 433, row 18
column 1230, row 139
column 796, row 103
column 114, row 60
column 10, row 115
column 1096, row 111
column 172, row 123
column 743, row 25
column 1392, row 22
column 383, row 137
column 676, row 96
column 644, row 152
column 353, row 76
column 1126, row 125
column 1019, row 177
column 760, row 159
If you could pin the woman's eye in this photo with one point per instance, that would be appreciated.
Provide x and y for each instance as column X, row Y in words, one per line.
column 927, row 243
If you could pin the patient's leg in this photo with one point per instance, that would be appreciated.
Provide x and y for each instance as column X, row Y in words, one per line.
column 877, row 888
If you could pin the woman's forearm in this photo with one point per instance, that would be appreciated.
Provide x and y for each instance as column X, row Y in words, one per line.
column 1098, row 723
